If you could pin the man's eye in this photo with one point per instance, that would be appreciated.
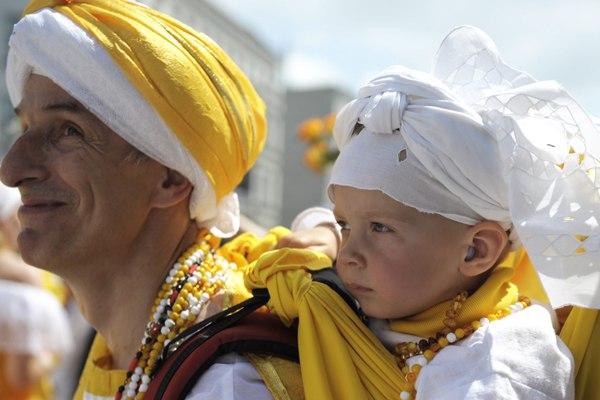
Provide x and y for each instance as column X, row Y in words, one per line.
column 71, row 130
column 381, row 228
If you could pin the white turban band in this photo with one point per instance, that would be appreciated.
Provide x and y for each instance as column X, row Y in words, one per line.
column 48, row 43
column 479, row 140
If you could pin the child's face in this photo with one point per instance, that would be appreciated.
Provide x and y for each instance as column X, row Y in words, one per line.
column 395, row 260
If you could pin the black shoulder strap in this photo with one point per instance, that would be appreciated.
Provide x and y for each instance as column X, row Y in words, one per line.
column 239, row 329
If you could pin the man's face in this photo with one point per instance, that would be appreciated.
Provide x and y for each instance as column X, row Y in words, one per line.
column 84, row 194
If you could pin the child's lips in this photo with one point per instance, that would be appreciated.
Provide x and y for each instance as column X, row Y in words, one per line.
column 355, row 287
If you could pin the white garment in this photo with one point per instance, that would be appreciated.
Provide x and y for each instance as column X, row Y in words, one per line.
column 313, row 217
column 478, row 140
column 231, row 377
column 48, row 43
column 516, row 357
column 32, row 321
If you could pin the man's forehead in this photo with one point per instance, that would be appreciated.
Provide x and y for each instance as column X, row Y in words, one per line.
column 42, row 94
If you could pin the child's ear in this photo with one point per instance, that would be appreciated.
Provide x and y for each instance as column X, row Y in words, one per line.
column 172, row 188
column 488, row 241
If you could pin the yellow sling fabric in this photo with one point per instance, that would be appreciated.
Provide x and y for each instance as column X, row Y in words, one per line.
column 581, row 334
column 208, row 103
column 340, row 358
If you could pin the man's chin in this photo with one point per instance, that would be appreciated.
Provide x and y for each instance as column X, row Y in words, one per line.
column 33, row 249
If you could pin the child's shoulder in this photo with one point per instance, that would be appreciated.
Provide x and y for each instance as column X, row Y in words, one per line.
column 519, row 356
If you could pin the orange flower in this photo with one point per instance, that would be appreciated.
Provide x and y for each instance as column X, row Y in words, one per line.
column 310, row 129
column 329, row 121
column 314, row 156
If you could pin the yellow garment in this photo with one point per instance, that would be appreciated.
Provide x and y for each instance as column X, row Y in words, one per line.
column 526, row 277
column 581, row 334
column 247, row 247
column 97, row 377
column 56, row 286
column 340, row 358
column 282, row 377
column 208, row 103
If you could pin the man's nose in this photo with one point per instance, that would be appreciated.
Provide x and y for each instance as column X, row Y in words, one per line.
column 24, row 161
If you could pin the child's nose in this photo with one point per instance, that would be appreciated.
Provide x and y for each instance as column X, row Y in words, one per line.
column 350, row 255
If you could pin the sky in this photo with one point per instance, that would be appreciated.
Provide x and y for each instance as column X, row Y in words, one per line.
column 342, row 43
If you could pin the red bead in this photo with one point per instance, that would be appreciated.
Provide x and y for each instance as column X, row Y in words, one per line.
column 173, row 297
column 193, row 268
column 132, row 364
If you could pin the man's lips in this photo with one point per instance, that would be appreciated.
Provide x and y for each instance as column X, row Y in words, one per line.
column 33, row 206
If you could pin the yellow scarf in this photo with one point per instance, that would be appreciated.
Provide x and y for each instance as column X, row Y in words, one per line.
column 496, row 293
column 204, row 98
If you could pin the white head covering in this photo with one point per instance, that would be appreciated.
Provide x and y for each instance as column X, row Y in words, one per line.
column 479, row 140
column 49, row 44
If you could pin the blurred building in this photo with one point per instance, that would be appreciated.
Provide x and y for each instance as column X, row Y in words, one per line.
column 261, row 192
column 10, row 12
column 302, row 187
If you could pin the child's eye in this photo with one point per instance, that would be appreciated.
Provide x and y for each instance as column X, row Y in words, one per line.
column 381, row 228
column 342, row 224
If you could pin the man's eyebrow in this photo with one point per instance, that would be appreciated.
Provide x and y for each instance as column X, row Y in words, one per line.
column 70, row 106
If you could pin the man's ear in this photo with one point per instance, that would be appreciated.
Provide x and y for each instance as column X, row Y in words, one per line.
column 171, row 189
column 488, row 241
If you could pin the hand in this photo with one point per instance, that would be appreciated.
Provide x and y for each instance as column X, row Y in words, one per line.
column 323, row 238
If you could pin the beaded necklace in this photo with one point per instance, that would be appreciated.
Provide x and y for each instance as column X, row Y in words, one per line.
column 197, row 275
column 413, row 356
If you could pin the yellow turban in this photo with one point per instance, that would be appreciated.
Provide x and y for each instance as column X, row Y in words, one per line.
column 155, row 65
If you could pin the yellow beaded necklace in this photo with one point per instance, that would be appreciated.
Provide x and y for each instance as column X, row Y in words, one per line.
column 413, row 356
column 198, row 274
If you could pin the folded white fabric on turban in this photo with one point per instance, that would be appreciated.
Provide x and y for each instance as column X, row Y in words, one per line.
column 50, row 44
column 478, row 140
